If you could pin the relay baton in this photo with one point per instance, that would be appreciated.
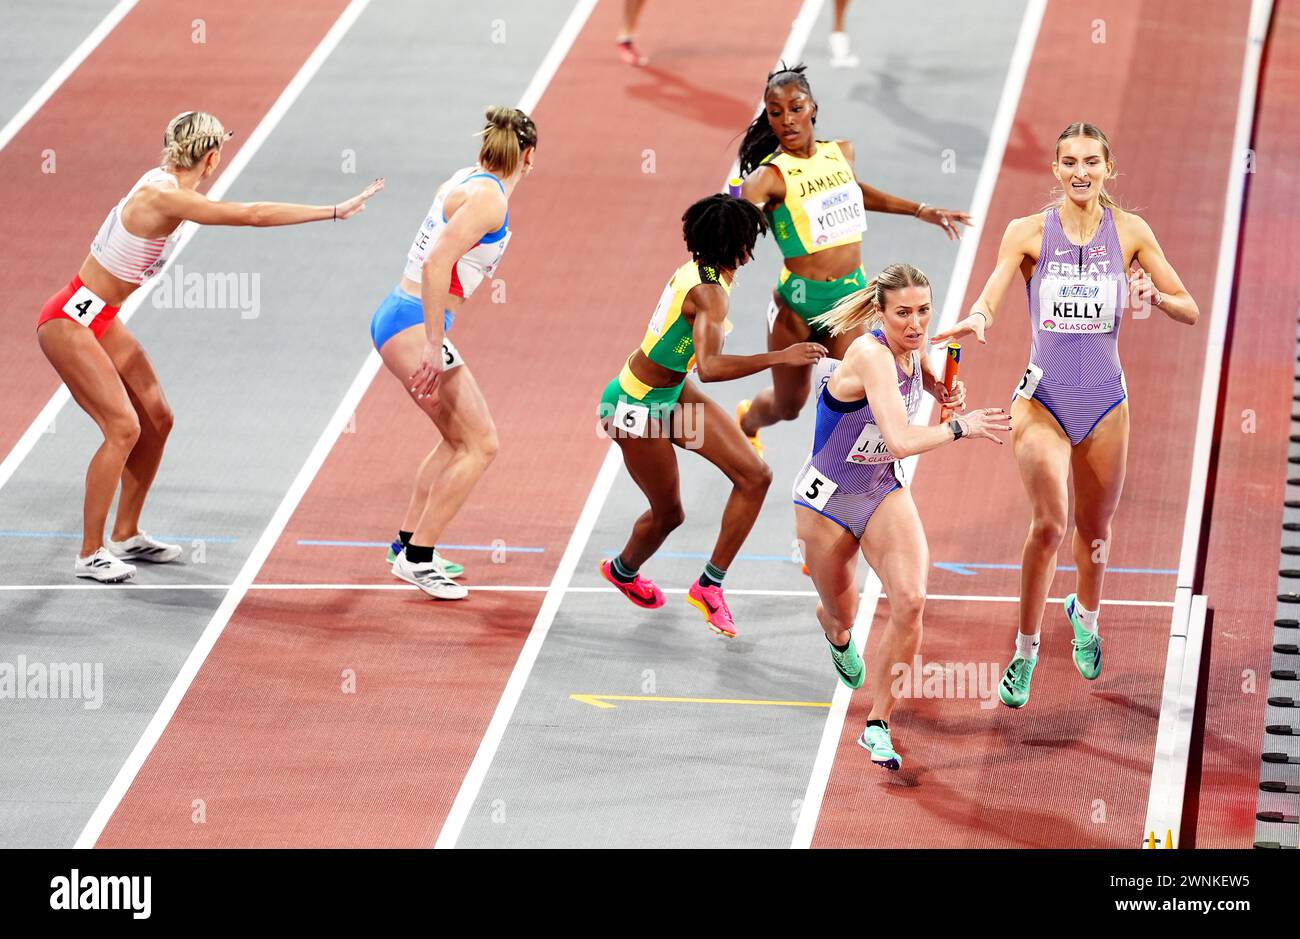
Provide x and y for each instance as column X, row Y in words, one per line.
column 733, row 186
column 950, row 369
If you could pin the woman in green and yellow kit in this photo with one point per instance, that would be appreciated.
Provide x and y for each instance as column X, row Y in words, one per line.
column 651, row 407
column 816, row 208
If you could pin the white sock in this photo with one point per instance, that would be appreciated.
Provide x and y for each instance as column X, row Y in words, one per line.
column 1087, row 617
column 1027, row 646
column 840, row 45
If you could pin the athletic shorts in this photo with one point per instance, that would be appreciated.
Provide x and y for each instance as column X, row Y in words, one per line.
column 401, row 311
column 78, row 303
column 629, row 404
column 809, row 298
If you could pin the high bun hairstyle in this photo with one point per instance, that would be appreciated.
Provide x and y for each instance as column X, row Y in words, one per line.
column 509, row 132
column 760, row 140
column 189, row 137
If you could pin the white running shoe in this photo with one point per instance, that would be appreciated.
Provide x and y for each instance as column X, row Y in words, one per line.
column 103, row 567
column 841, row 55
column 140, row 547
column 430, row 578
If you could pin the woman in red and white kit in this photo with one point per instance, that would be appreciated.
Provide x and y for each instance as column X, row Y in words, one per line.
column 105, row 368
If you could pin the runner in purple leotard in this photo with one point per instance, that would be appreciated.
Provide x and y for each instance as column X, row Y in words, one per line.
column 1070, row 409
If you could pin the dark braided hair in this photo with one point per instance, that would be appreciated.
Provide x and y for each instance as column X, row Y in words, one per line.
column 720, row 230
column 760, row 140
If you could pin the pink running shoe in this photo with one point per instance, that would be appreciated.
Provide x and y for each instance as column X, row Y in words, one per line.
column 642, row 591
column 711, row 602
column 631, row 55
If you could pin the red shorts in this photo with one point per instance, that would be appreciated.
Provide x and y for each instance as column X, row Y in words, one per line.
column 78, row 303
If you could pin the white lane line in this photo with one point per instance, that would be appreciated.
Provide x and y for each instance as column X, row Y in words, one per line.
column 810, row 805
column 473, row 782
column 736, row 592
column 126, row 775
column 60, row 74
column 1178, row 694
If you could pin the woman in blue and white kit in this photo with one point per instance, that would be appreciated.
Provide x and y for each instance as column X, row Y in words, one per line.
column 850, row 495
column 458, row 247
column 1071, row 405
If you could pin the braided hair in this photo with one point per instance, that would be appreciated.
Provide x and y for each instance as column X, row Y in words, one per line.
column 720, row 230
column 760, row 140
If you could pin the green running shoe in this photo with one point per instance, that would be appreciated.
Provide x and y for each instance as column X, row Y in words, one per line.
column 849, row 664
column 1087, row 645
column 877, row 742
column 450, row 568
column 1014, row 689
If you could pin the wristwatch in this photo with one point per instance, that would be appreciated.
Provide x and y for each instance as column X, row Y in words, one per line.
column 955, row 426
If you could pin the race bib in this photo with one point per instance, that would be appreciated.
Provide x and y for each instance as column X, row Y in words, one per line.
column 451, row 357
column 83, row 306
column 661, row 310
column 630, row 419
column 1029, row 382
column 836, row 214
column 1076, row 305
column 815, row 489
column 869, row 447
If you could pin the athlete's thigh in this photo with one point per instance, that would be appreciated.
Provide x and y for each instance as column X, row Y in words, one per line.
column 1042, row 452
column 791, row 383
column 831, row 555
column 86, row 369
column 459, row 410
column 894, row 544
column 701, row 425
column 1099, row 463
column 652, row 463
column 136, row 371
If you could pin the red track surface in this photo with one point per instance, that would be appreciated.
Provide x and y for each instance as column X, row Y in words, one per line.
column 267, row 739
column 1032, row 778
column 1240, row 580
column 252, row 51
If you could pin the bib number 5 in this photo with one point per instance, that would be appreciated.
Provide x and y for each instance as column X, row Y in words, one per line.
column 1029, row 383
column 815, row 489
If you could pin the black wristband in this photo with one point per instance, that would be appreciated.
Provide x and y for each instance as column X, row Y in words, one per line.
column 955, row 426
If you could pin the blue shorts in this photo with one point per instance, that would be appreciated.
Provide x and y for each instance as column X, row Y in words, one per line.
column 401, row 311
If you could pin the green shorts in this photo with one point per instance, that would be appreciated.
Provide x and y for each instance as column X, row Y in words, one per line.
column 629, row 404
column 809, row 298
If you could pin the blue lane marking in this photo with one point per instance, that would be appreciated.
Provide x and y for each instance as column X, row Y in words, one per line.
column 214, row 539
column 701, row 556
column 966, row 568
column 316, row 543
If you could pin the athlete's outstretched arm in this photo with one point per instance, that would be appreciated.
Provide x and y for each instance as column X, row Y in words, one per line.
column 1011, row 254
column 1156, row 282
column 186, row 205
column 709, row 328
column 869, row 367
column 876, row 200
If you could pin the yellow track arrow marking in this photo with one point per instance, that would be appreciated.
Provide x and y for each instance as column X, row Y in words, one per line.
column 602, row 701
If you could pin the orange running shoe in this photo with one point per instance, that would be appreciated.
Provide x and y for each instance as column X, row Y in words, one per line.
column 741, row 410
column 710, row 602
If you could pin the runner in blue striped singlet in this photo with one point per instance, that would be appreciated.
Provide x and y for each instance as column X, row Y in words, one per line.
column 850, row 495
column 1070, row 408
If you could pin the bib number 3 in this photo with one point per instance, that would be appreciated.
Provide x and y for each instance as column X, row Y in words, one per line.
column 451, row 357
column 83, row 306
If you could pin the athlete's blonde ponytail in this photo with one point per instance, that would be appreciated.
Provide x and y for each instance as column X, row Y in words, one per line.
column 509, row 132
column 866, row 307
column 189, row 137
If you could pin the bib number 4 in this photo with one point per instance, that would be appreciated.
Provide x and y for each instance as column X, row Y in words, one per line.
column 83, row 306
